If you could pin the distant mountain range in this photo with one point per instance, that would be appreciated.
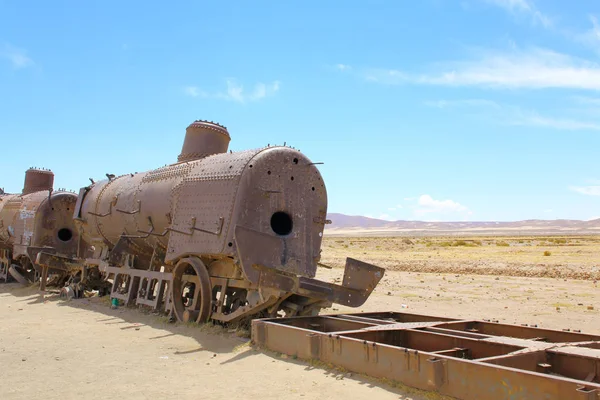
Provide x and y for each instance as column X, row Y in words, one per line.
column 350, row 224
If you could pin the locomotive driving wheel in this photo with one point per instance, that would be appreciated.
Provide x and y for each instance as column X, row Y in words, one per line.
column 192, row 295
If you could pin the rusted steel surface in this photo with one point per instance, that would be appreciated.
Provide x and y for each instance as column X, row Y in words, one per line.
column 38, row 180
column 465, row 359
column 39, row 220
column 216, row 235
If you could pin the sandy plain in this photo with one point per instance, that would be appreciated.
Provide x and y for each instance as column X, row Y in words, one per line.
column 54, row 349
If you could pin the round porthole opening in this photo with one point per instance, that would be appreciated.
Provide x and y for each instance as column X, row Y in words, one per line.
column 281, row 223
column 65, row 234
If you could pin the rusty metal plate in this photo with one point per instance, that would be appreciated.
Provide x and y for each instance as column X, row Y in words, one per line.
column 9, row 204
column 284, row 196
column 251, row 245
column 117, row 198
column 203, row 204
column 38, row 219
column 464, row 359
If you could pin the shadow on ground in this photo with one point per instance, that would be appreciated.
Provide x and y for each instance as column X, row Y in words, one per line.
column 133, row 318
column 210, row 338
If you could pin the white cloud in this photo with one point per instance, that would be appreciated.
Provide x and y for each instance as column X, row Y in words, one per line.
column 587, row 190
column 517, row 116
column 591, row 101
column 523, row 7
column 427, row 205
column 236, row 92
column 462, row 103
column 343, row 67
column 595, row 31
column 532, row 119
column 17, row 57
column 385, row 217
column 194, row 91
column 535, row 68
column 593, row 218
column 591, row 37
column 395, row 208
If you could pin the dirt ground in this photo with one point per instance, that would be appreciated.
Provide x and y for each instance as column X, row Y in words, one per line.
column 54, row 349
column 551, row 256
column 553, row 303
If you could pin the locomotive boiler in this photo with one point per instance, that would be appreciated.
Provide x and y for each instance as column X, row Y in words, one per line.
column 37, row 220
column 216, row 235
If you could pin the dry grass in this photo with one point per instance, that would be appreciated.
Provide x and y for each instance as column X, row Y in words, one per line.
column 541, row 256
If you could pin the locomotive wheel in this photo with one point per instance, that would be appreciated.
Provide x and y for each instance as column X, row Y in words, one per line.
column 15, row 273
column 198, row 308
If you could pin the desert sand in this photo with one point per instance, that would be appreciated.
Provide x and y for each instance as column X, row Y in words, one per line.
column 51, row 348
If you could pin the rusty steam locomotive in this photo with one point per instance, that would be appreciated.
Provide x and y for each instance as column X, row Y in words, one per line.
column 216, row 235
column 38, row 219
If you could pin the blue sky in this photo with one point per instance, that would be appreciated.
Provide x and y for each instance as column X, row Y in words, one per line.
column 429, row 110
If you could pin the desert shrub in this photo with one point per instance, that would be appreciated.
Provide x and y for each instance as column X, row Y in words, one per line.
column 502, row 244
column 547, row 253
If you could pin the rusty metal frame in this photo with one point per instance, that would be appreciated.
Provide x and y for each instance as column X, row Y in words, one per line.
column 465, row 359
column 5, row 259
column 148, row 288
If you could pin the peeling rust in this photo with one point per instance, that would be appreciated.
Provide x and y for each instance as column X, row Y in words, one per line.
column 434, row 354
column 37, row 220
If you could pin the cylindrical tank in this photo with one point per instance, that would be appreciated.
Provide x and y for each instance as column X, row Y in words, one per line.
column 37, row 180
column 39, row 220
column 53, row 224
column 202, row 139
column 132, row 205
column 9, row 206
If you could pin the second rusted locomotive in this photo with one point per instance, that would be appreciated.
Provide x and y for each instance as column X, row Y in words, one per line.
column 217, row 235
column 37, row 220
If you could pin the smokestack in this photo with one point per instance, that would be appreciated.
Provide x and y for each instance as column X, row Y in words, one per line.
column 202, row 139
column 37, row 180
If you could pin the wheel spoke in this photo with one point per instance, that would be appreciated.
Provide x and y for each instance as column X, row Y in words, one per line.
column 192, row 298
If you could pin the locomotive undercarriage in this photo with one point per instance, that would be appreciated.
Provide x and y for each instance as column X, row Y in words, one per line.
column 5, row 262
column 189, row 292
column 21, row 270
column 201, row 293
column 26, row 270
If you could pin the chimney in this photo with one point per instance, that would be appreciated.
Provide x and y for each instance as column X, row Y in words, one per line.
column 37, row 180
column 202, row 139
